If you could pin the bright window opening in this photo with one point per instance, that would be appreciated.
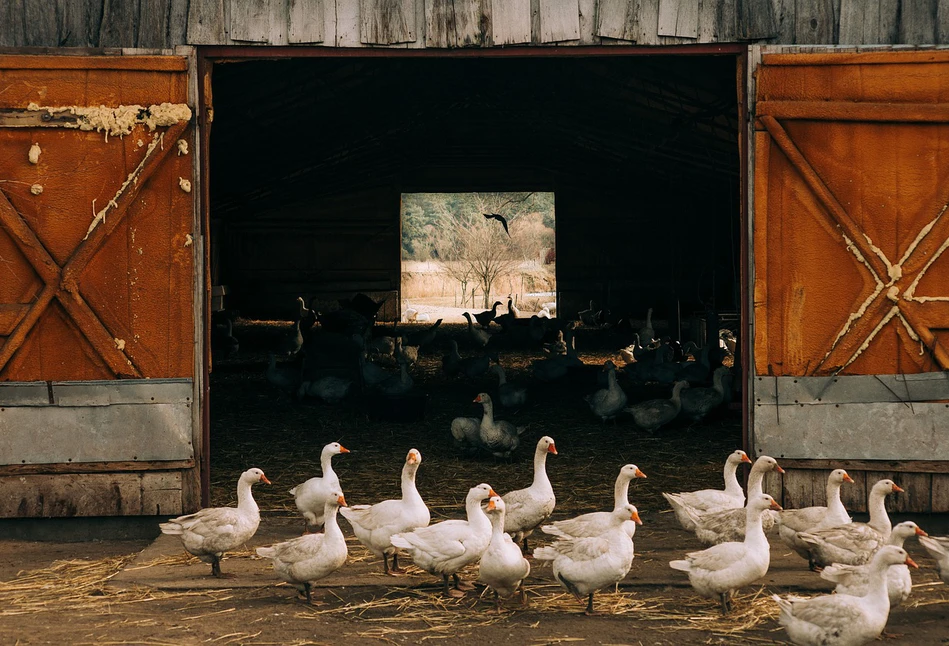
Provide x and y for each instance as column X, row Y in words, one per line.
column 462, row 252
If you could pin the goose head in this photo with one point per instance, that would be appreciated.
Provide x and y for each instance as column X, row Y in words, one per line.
column 253, row 476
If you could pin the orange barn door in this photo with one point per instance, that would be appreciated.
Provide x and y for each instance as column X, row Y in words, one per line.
column 97, row 284
column 851, row 275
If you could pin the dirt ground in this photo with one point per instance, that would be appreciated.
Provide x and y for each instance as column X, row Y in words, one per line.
column 144, row 592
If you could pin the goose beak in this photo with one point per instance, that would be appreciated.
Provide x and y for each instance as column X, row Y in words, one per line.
column 552, row 449
column 491, row 505
column 264, row 479
column 343, row 449
column 910, row 562
column 639, row 473
column 847, row 478
column 745, row 458
column 635, row 517
column 775, row 506
column 494, row 493
column 897, row 489
column 920, row 532
column 411, row 459
column 476, row 400
column 777, row 467
column 341, row 500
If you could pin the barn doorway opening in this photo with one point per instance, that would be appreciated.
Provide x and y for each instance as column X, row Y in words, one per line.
column 312, row 163
column 464, row 252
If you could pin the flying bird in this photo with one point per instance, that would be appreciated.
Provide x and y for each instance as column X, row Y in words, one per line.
column 500, row 218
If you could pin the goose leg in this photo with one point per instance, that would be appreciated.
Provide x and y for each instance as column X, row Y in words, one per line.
column 395, row 565
column 462, row 585
column 726, row 603
column 589, row 611
column 497, row 603
column 216, row 569
column 523, row 594
column 525, row 549
column 306, row 589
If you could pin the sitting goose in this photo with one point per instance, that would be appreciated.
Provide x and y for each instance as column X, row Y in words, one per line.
column 608, row 402
column 479, row 336
column 292, row 341
column 405, row 353
column 285, row 376
column 652, row 414
column 375, row 524
column 528, row 508
column 331, row 389
column 474, row 367
column 854, row 543
column 397, row 384
column 311, row 496
column 842, row 619
column 597, row 522
column 311, row 557
column 446, row 547
column 792, row 521
column 510, row 395
column 733, row 496
column 720, row 569
column 698, row 402
column 855, row 579
column 465, row 433
column 584, row 565
column 484, row 318
column 502, row 567
column 728, row 525
column 210, row 532
column 938, row 548
column 498, row 437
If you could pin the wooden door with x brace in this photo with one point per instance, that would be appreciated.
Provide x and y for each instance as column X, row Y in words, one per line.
column 97, row 283
column 851, row 274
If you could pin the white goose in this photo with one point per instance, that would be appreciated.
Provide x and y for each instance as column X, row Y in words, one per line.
column 842, row 619
column 733, row 495
column 446, row 547
column 854, row 543
column 311, row 557
column 210, row 532
column 608, row 402
column 728, row 525
column 311, row 496
column 584, row 565
column 938, row 548
column 652, row 414
column 500, row 438
column 375, row 524
column 597, row 522
column 855, row 579
column 502, row 568
column 528, row 508
column 720, row 569
column 806, row 519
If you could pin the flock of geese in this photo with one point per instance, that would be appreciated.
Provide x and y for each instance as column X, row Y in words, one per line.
column 595, row 550
column 346, row 353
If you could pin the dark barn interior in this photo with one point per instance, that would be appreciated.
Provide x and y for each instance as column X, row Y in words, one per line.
column 310, row 157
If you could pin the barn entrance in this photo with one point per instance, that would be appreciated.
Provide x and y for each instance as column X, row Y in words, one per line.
column 310, row 158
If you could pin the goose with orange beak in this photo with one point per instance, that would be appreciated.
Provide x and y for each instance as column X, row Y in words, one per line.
column 308, row 558
column 446, row 547
column 584, row 565
column 853, row 543
column 527, row 509
column 718, row 571
column 503, row 568
column 843, row 619
column 597, row 522
column 311, row 496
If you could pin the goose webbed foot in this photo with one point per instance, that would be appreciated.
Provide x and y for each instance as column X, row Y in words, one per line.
column 462, row 585
column 589, row 612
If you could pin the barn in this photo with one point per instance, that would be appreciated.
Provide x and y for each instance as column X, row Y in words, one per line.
column 778, row 159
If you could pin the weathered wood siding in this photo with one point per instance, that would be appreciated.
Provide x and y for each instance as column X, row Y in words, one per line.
column 469, row 23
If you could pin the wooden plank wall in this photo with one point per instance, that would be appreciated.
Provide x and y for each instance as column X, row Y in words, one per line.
column 163, row 24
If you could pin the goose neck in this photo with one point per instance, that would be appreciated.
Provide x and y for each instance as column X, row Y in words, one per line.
column 409, row 490
column 732, row 486
column 834, row 504
column 497, row 526
column 621, row 492
column 754, row 531
column 331, row 528
column 326, row 464
column 245, row 499
column 755, row 478
column 879, row 519
column 476, row 516
column 540, row 468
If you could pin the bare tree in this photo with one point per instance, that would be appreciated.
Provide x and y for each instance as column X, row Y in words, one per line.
column 475, row 249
